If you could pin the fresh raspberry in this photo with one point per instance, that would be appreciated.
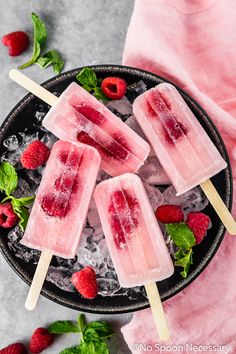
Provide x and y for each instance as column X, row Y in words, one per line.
column 7, row 216
column 40, row 340
column 169, row 213
column 35, row 155
column 91, row 114
column 66, row 184
column 114, row 87
column 16, row 348
column 16, row 42
column 56, row 206
column 198, row 224
column 86, row 283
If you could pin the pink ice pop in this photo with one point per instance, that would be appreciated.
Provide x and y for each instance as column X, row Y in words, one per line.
column 134, row 239
column 184, row 149
column 59, row 211
column 78, row 116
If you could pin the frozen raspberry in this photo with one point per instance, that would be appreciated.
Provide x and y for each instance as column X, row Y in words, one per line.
column 168, row 214
column 198, row 224
column 40, row 340
column 7, row 216
column 86, row 283
column 17, row 42
column 66, row 184
column 16, row 348
column 91, row 114
column 114, row 87
column 118, row 147
column 172, row 128
column 69, row 159
column 56, row 206
column 124, row 219
column 35, row 155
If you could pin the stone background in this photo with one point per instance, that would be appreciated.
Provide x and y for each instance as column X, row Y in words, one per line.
column 86, row 32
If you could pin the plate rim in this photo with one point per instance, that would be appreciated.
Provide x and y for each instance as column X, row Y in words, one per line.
column 221, row 231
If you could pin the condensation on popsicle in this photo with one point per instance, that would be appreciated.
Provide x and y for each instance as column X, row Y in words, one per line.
column 78, row 116
column 184, row 149
column 59, row 211
column 134, row 239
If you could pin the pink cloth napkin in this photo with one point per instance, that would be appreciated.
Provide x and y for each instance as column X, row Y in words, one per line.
column 193, row 44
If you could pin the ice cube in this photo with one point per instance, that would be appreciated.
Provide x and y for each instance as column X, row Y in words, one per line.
column 135, row 90
column 152, row 172
column 193, row 200
column 11, row 143
column 61, row 277
column 122, row 108
column 155, row 196
column 107, row 287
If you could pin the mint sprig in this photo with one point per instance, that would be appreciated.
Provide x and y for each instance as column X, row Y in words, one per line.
column 184, row 260
column 184, row 239
column 40, row 36
column 50, row 58
column 93, row 335
column 88, row 79
column 8, row 183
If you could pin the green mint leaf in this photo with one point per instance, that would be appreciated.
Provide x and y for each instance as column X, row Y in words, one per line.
column 101, row 329
column 88, row 88
column 87, row 77
column 184, row 260
column 8, row 178
column 94, row 347
column 40, row 35
column 73, row 350
column 100, row 95
column 181, row 235
column 51, row 58
column 25, row 201
column 60, row 327
column 21, row 211
column 81, row 323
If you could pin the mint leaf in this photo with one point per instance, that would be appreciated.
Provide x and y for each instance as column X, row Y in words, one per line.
column 181, row 235
column 101, row 329
column 81, row 323
column 21, row 211
column 40, row 35
column 100, row 95
column 73, row 350
column 94, row 347
column 51, row 58
column 184, row 260
column 60, row 327
column 87, row 77
column 8, row 178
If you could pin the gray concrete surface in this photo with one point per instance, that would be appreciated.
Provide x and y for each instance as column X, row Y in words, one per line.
column 86, row 32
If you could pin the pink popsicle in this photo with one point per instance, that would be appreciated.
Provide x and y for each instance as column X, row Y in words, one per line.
column 181, row 144
column 134, row 239
column 59, row 211
column 78, row 116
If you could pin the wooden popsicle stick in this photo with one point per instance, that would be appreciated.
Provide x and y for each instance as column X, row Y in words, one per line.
column 38, row 280
column 33, row 87
column 157, row 311
column 219, row 206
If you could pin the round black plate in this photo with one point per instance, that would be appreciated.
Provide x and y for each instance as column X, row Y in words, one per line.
column 21, row 118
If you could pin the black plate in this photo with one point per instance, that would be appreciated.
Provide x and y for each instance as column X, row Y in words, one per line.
column 21, row 118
